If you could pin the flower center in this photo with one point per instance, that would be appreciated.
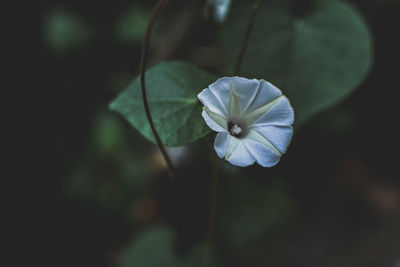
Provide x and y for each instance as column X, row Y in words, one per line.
column 235, row 129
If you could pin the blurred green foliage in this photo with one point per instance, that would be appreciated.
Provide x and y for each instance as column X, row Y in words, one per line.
column 116, row 174
column 155, row 247
column 338, row 120
column 249, row 212
column 65, row 32
column 316, row 53
column 114, row 171
column 132, row 24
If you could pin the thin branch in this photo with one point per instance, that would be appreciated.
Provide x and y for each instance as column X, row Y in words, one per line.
column 143, row 61
column 246, row 38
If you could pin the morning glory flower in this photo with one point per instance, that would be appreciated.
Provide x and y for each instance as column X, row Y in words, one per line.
column 252, row 117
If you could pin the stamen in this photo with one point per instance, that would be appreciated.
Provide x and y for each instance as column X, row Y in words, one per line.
column 235, row 129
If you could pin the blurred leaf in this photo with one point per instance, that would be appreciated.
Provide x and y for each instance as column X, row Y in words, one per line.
column 338, row 120
column 131, row 25
column 65, row 32
column 113, row 170
column 382, row 2
column 172, row 90
column 108, row 135
column 249, row 211
column 155, row 248
column 316, row 58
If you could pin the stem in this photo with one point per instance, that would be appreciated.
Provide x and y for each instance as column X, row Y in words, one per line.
column 211, row 222
column 242, row 51
column 143, row 61
column 208, row 253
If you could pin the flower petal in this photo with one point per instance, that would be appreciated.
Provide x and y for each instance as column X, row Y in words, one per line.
column 257, row 137
column 226, row 145
column 257, row 105
column 253, row 115
column 214, row 121
column 264, row 156
column 281, row 114
column 244, row 92
column 237, row 153
column 221, row 9
column 213, row 102
column 221, row 144
column 278, row 136
column 222, row 90
column 232, row 145
column 266, row 93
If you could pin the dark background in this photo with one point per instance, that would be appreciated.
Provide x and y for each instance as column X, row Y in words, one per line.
column 342, row 178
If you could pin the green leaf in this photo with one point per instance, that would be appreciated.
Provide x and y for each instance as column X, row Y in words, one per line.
column 317, row 58
column 155, row 248
column 172, row 89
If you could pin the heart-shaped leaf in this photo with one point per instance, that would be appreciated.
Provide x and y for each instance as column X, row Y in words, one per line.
column 317, row 57
column 172, row 89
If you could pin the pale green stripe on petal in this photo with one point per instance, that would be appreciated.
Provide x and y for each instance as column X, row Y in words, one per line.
column 232, row 145
column 256, row 136
column 220, row 120
column 234, row 109
column 255, row 114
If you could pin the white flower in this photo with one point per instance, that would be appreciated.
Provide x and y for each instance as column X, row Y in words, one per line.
column 252, row 117
column 220, row 9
